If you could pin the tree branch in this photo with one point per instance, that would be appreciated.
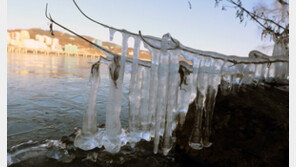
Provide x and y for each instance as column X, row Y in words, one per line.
column 232, row 59
column 254, row 16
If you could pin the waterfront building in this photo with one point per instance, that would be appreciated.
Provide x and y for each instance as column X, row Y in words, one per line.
column 70, row 48
column 48, row 40
column 31, row 43
column 24, row 35
column 16, row 36
column 55, row 44
column 40, row 38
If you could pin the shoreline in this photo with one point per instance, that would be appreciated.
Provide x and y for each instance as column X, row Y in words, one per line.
column 22, row 50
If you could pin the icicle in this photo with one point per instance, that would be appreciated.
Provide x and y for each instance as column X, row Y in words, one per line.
column 196, row 67
column 184, row 93
column 134, row 95
column 111, row 34
column 90, row 118
column 202, row 83
column 172, row 100
column 88, row 139
column 112, row 141
column 286, row 73
column 246, row 74
column 153, row 90
column 263, row 72
column 144, row 113
column 163, row 71
column 187, row 93
column 213, row 81
column 235, row 73
column 271, row 71
column 257, row 73
column 281, row 70
column 209, row 110
column 251, row 73
column 134, row 117
column 281, row 49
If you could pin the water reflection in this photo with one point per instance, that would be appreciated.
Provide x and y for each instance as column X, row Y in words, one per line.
column 50, row 93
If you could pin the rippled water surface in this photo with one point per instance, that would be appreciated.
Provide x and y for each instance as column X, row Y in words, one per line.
column 47, row 96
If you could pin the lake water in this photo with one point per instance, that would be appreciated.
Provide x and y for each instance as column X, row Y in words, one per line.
column 47, row 95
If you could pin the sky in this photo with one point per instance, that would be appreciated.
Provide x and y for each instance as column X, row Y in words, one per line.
column 203, row 27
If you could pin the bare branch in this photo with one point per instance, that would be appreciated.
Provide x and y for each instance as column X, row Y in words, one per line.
column 270, row 26
column 80, row 36
column 104, row 25
column 256, row 17
column 232, row 59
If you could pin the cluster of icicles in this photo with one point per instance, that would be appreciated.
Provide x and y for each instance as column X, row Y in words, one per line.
column 160, row 92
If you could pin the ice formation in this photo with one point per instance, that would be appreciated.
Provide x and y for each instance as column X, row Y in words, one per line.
column 49, row 148
column 161, row 90
column 88, row 138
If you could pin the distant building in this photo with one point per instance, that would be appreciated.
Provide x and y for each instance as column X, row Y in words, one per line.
column 16, row 36
column 13, row 38
column 47, row 40
column 39, row 38
column 70, row 48
column 55, row 41
column 31, row 43
column 24, row 35
column 55, row 44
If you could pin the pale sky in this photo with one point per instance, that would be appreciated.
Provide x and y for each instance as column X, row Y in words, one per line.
column 203, row 27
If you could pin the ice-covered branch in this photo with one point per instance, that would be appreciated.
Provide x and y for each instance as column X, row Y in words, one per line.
column 149, row 39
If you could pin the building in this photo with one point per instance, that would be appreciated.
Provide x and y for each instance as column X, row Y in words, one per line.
column 55, row 44
column 24, row 35
column 16, row 36
column 31, row 43
column 70, row 48
column 48, row 40
column 40, row 38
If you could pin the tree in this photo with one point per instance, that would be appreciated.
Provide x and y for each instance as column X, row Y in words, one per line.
column 273, row 20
